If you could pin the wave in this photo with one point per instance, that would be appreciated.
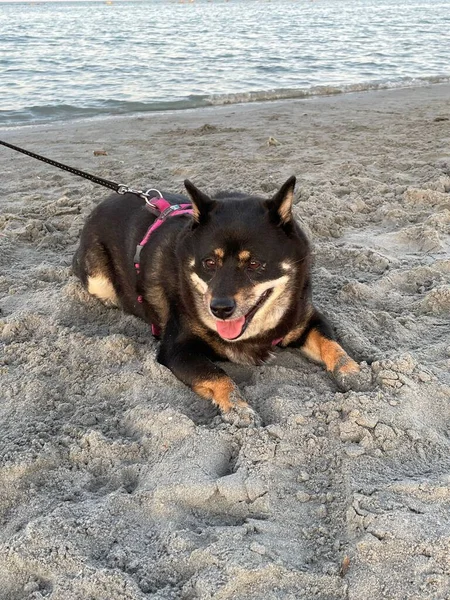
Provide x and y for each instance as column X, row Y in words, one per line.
column 60, row 112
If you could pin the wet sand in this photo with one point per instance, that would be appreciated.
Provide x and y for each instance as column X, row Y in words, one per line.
column 117, row 482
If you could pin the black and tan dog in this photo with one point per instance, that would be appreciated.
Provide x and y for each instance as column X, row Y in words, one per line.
column 229, row 281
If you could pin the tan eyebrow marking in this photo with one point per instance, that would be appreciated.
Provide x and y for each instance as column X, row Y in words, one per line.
column 219, row 252
column 244, row 255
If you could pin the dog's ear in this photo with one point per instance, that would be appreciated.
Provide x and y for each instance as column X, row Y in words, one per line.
column 280, row 206
column 201, row 203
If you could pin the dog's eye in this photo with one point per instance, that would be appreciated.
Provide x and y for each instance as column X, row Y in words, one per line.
column 254, row 265
column 209, row 264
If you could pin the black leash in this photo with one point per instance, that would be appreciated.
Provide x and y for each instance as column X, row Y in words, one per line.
column 120, row 188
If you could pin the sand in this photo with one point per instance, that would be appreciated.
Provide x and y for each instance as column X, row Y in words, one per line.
column 117, row 482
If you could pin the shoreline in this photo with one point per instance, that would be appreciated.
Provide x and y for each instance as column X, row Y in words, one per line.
column 119, row 482
column 444, row 81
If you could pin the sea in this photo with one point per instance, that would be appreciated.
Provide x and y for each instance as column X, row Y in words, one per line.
column 70, row 60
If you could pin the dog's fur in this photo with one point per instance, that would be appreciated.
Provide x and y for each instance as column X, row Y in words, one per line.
column 240, row 266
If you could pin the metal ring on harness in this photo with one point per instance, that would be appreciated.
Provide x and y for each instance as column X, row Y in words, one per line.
column 146, row 198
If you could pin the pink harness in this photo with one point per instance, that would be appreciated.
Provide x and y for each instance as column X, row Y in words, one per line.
column 166, row 210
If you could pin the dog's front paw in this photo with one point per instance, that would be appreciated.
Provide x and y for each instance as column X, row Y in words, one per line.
column 242, row 415
column 351, row 376
column 225, row 393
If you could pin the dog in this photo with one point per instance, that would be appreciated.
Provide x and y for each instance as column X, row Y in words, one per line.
column 225, row 277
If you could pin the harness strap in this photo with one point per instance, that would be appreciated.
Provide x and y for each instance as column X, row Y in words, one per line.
column 167, row 210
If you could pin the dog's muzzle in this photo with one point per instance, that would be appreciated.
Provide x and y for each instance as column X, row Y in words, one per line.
column 231, row 329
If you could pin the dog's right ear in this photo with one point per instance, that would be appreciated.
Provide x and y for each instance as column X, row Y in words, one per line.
column 201, row 203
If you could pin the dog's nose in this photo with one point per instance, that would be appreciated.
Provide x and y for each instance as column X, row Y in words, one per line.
column 222, row 308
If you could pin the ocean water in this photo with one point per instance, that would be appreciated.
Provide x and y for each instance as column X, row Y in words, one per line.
column 65, row 60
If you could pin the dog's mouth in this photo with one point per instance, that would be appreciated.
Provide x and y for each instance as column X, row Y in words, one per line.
column 234, row 328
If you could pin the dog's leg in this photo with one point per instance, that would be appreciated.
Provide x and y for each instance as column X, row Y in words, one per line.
column 188, row 362
column 92, row 265
column 316, row 340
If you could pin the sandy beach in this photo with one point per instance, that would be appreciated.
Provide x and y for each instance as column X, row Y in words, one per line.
column 119, row 483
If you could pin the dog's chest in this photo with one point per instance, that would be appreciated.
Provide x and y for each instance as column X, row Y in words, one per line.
column 250, row 354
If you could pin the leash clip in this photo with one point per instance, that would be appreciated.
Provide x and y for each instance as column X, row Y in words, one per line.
column 124, row 189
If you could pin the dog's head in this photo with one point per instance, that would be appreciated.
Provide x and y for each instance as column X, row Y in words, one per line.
column 246, row 260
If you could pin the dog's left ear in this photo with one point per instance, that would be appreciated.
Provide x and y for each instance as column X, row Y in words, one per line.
column 201, row 203
column 280, row 206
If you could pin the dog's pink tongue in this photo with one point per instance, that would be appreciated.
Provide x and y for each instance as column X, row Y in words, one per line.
column 230, row 329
